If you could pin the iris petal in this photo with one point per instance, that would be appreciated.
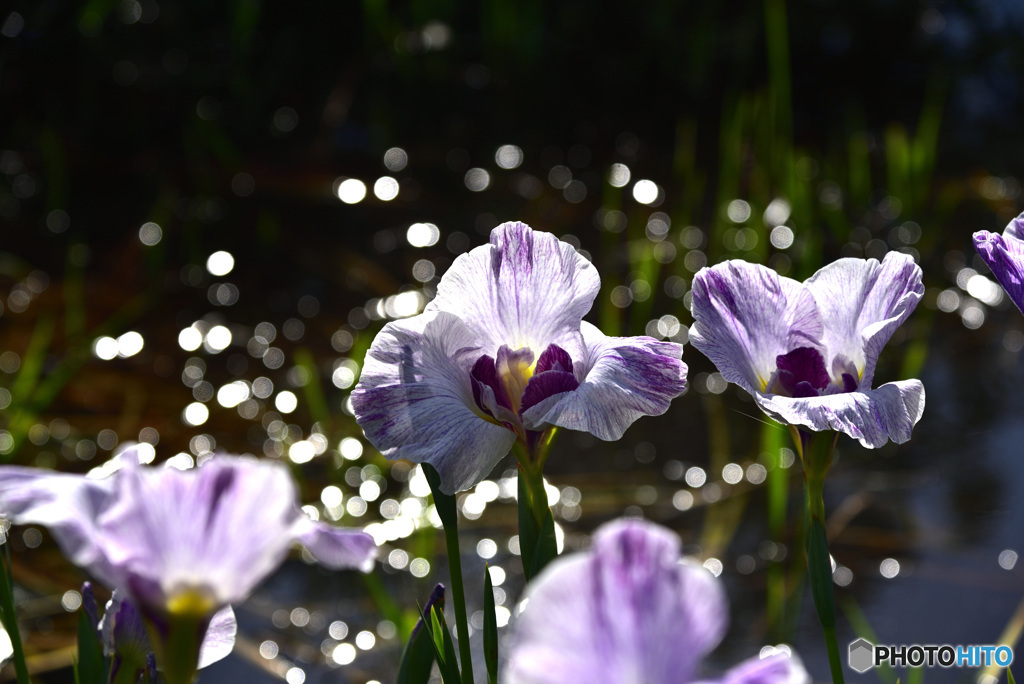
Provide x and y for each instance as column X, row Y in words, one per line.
column 862, row 302
column 872, row 417
column 623, row 378
column 1004, row 255
column 525, row 289
column 414, row 400
column 746, row 315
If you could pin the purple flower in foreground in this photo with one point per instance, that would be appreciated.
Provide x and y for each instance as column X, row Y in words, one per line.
column 628, row 612
column 1004, row 254
column 807, row 351
column 180, row 544
column 502, row 353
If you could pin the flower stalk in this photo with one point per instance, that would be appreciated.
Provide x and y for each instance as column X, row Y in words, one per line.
column 536, row 524
column 449, row 514
column 816, row 455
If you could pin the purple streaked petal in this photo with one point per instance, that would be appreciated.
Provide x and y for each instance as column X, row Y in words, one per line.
column 336, row 548
column 219, row 639
column 67, row 505
column 626, row 611
column 746, row 315
column 414, row 400
column 554, row 358
column 622, row 378
column 1004, row 255
column 872, row 417
column 547, row 384
column 862, row 302
column 524, row 289
column 484, row 374
column 775, row 669
column 216, row 529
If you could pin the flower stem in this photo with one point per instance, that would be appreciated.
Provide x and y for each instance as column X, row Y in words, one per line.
column 8, row 613
column 817, row 458
column 536, row 524
column 447, row 511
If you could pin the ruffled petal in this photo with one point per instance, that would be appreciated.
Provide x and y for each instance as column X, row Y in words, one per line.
column 524, row 289
column 1004, row 255
column 626, row 611
column 745, row 315
column 219, row 639
column 67, row 505
column 775, row 669
column 622, row 378
column 414, row 400
column 337, row 548
column 862, row 302
column 872, row 417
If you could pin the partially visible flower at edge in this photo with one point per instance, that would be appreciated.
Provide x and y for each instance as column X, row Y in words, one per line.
column 629, row 612
column 1004, row 255
column 180, row 544
column 807, row 351
column 502, row 354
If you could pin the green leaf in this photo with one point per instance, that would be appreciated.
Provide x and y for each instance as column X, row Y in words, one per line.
column 89, row 667
column 1009, row 676
column 419, row 655
column 490, row 629
column 443, row 646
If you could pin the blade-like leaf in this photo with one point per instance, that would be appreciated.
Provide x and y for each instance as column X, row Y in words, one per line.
column 490, row 629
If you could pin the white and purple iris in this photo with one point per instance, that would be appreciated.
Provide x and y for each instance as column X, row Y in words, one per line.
column 180, row 544
column 629, row 612
column 1004, row 254
column 501, row 354
column 807, row 351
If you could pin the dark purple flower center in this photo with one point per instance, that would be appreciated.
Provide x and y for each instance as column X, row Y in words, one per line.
column 802, row 373
column 506, row 386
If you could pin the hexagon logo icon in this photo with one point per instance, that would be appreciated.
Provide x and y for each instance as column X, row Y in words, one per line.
column 862, row 655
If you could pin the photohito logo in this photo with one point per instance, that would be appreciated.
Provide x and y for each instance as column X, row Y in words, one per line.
column 864, row 655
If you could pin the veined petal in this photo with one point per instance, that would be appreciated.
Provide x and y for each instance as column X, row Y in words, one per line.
column 622, row 378
column 626, row 611
column 862, row 302
column 337, row 548
column 525, row 289
column 414, row 400
column 872, row 417
column 775, row 669
column 1004, row 255
column 217, row 530
column 65, row 504
column 745, row 315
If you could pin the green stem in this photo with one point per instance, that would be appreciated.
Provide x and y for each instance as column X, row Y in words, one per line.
column 817, row 458
column 447, row 511
column 9, row 615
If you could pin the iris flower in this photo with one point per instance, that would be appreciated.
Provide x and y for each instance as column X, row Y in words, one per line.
column 807, row 351
column 502, row 354
column 180, row 544
column 1004, row 254
column 629, row 612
